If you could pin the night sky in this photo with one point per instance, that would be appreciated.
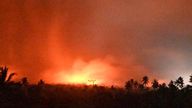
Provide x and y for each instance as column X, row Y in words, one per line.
column 110, row 41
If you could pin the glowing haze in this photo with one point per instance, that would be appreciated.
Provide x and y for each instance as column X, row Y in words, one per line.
column 110, row 41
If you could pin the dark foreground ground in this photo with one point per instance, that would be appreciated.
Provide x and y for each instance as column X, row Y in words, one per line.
column 68, row 96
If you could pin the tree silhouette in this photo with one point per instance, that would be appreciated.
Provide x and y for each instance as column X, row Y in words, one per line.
column 145, row 81
column 129, row 85
column 141, row 87
column 155, row 84
column 24, row 81
column 41, row 83
column 72, row 96
column 190, row 80
column 172, row 85
column 179, row 82
column 3, row 75
column 162, row 86
column 136, row 84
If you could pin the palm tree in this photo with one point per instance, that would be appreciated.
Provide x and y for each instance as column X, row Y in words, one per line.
column 145, row 80
column 155, row 84
column 179, row 82
column 3, row 75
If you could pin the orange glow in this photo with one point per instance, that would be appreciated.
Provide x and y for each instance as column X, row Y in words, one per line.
column 44, row 39
column 80, row 79
column 93, row 72
column 77, row 79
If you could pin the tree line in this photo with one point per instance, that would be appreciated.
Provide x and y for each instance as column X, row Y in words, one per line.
column 135, row 94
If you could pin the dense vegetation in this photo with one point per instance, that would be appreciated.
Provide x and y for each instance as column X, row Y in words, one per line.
column 134, row 95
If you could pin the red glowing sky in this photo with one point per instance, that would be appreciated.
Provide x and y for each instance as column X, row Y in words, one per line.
column 70, row 41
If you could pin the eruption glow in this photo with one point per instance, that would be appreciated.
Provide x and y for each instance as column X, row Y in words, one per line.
column 93, row 72
column 68, row 41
